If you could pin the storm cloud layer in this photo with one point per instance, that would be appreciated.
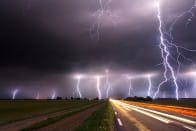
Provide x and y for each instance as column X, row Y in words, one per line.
column 44, row 42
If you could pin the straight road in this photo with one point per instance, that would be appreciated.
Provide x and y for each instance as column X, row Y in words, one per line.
column 135, row 118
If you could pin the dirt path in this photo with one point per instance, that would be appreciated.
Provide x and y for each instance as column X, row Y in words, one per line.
column 69, row 123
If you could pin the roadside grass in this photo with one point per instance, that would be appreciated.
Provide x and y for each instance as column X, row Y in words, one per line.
column 11, row 111
column 100, row 120
column 57, row 118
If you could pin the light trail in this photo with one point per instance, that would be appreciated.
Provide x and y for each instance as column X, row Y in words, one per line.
column 156, row 113
column 14, row 94
column 149, row 114
column 108, row 86
column 165, row 54
column 98, row 87
column 102, row 13
column 190, row 128
column 166, row 115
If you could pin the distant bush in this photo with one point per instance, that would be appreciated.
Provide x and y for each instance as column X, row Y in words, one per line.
column 59, row 98
column 96, row 98
column 135, row 98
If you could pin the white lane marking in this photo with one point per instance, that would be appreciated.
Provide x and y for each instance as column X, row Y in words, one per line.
column 115, row 113
column 164, row 114
column 189, row 128
column 152, row 115
column 119, row 122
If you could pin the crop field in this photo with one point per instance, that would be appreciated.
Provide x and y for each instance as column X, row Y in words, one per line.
column 11, row 111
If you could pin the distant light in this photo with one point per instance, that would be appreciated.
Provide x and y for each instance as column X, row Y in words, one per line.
column 191, row 73
column 79, row 76
column 156, row 3
column 148, row 75
column 98, row 76
column 129, row 77
column 137, row 76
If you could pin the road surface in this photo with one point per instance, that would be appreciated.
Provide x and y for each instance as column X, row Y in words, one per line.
column 130, row 117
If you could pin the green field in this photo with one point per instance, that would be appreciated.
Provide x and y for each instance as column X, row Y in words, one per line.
column 11, row 111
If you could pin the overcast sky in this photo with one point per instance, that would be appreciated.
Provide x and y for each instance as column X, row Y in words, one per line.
column 44, row 42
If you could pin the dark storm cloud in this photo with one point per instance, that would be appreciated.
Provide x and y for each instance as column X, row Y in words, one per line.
column 42, row 41
column 54, row 35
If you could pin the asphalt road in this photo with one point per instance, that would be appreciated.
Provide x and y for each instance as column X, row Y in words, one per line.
column 135, row 118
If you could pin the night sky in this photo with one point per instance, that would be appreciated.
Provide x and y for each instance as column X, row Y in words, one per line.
column 44, row 43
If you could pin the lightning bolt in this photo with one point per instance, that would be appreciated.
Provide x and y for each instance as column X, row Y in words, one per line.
column 149, row 85
column 103, row 12
column 108, row 87
column 37, row 96
column 166, row 42
column 98, row 87
column 187, row 12
column 78, row 87
column 170, row 35
column 53, row 95
column 130, row 87
column 186, row 95
column 165, row 53
column 14, row 94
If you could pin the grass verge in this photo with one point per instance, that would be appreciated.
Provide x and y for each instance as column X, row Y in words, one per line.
column 100, row 120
